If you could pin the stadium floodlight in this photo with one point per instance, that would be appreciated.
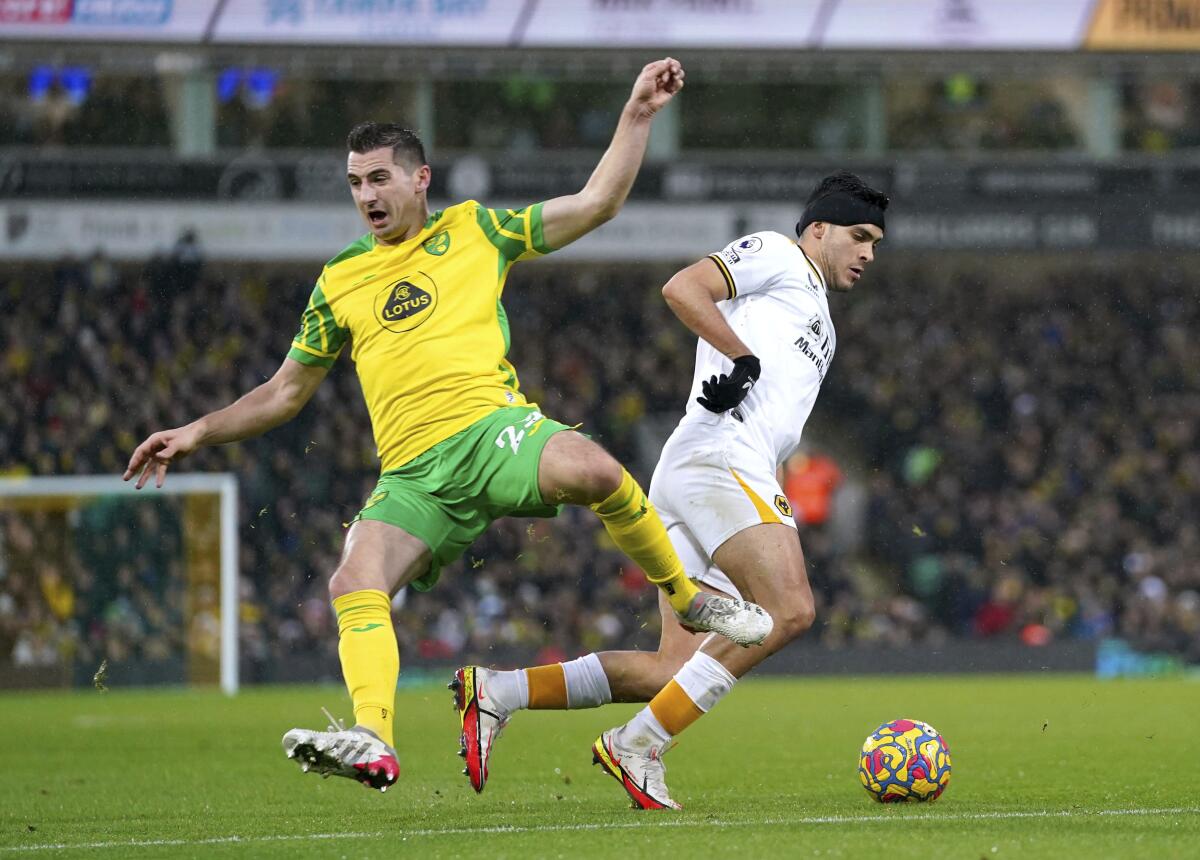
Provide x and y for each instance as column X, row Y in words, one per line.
column 67, row 493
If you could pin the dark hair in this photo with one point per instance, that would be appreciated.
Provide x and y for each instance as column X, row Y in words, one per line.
column 407, row 148
column 847, row 183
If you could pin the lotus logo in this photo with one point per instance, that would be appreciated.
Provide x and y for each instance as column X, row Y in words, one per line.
column 407, row 303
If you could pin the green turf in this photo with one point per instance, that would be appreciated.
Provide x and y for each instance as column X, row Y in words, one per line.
column 1043, row 767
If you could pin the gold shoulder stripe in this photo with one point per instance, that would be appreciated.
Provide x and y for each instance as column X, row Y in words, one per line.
column 725, row 273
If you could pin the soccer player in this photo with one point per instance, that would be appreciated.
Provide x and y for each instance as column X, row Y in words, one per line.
column 760, row 309
column 418, row 297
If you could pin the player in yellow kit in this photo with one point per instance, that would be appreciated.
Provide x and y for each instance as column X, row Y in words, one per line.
column 418, row 300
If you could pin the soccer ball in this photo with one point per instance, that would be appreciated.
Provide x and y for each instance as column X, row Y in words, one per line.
column 904, row 760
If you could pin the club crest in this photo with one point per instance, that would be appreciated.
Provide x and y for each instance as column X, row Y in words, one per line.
column 437, row 244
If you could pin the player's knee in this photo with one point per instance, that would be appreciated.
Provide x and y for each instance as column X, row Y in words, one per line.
column 343, row 582
column 336, row 586
column 599, row 476
column 793, row 620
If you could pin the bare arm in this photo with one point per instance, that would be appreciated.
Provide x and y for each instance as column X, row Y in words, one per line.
column 692, row 295
column 565, row 219
column 274, row 402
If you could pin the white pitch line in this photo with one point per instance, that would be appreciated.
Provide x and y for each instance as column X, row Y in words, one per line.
column 629, row 825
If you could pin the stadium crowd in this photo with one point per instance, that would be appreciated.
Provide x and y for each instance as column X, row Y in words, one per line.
column 1027, row 447
column 259, row 108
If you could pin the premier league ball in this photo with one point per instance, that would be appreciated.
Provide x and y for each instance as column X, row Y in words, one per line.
column 904, row 760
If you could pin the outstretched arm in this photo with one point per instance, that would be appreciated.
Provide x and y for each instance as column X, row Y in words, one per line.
column 565, row 219
column 277, row 400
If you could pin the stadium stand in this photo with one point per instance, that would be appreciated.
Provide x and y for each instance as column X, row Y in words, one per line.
column 1014, row 487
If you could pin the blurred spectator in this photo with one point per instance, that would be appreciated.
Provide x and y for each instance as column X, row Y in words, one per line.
column 809, row 482
column 1161, row 115
column 964, row 113
column 1028, row 451
column 824, row 116
column 62, row 107
column 265, row 108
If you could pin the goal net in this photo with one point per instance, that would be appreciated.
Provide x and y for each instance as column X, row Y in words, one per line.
column 100, row 583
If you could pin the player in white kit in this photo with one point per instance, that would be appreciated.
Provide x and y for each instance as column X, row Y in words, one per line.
column 760, row 309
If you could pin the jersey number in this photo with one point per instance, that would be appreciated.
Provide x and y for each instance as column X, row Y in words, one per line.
column 511, row 437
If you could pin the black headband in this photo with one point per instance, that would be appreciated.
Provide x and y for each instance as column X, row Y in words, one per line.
column 842, row 209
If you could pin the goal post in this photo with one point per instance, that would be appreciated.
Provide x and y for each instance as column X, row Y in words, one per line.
column 67, row 493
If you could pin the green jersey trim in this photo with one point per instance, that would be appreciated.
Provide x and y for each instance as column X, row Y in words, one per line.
column 536, row 233
column 516, row 233
column 361, row 245
column 510, row 376
column 502, row 318
column 506, row 367
column 302, row 355
column 320, row 338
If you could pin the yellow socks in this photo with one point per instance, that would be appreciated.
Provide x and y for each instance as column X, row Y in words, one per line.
column 547, row 687
column 635, row 528
column 674, row 709
column 370, row 658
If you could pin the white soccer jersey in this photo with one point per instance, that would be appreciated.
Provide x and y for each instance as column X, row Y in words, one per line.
column 716, row 475
column 778, row 307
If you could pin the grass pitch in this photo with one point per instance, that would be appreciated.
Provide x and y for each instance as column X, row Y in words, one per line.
column 1044, row 766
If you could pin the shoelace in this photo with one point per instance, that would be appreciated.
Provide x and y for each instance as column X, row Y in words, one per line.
column 708, row 612
column 656, row 772
column 726, row 610
column 335, row 725
column 347, row 749
column 656, row 753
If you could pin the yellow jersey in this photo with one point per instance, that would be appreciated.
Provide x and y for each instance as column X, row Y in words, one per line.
column 427, row 331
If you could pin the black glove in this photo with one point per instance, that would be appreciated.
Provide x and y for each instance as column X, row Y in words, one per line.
column 724, row 393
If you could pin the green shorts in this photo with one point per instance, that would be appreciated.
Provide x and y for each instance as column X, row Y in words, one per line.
column 449, row 495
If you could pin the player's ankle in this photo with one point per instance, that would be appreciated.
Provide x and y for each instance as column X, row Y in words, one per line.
column 377, row 719
column 643, row 733
column 680, row 592
column 509, row 689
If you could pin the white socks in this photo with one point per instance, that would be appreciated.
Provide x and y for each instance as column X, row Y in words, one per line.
column 702, row 678
column 643, row 732
column 509, row 690
column 587, row 685
column 705, row 680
